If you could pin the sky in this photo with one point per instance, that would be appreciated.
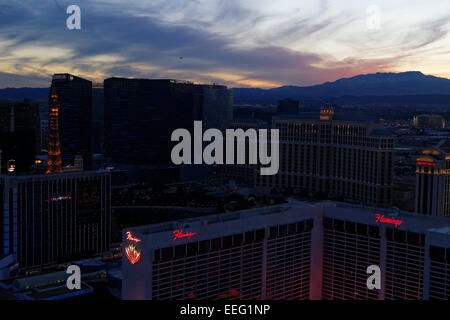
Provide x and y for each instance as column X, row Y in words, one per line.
column 245, row 43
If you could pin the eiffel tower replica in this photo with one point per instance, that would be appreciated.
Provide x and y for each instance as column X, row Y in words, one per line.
column 54, row 162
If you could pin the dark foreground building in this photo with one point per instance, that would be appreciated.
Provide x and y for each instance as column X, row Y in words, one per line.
column 75, row 117
column 215, row 106
column 46, row 219
column 19, row 135
column 141, row 114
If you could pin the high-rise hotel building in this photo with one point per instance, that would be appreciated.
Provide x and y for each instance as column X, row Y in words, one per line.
column 74, row 98
column 258, row 254
column 291, row 251
column 46, row 219
column 433, row 181
column 141, row 114
column 340, row 155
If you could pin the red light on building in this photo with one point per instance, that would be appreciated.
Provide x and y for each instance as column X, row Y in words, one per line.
column 427, row 163
column 178, row 234
column 234, row 292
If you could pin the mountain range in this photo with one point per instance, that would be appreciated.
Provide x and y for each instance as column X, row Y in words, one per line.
column 37, row 94
column 376, row 84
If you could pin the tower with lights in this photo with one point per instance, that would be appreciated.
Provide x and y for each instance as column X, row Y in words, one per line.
column 54, row 162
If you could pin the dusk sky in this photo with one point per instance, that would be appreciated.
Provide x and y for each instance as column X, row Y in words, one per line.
column 259, row 43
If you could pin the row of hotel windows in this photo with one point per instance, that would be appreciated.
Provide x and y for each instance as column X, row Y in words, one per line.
column 200, row 247
column 304, row 158
column 439, row 287
column 400, row 236
column 235, row 272
column 348, row 248
column 375, row 143
column 313, row 128
column 351, row 227
column 341, row 135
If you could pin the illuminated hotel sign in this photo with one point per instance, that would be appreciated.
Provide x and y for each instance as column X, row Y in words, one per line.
column 388, row 220
column 178, row 234
column 131, row 238
column 133, row 254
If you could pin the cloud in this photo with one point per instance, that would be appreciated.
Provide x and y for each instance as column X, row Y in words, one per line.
column 8, row 80
column 232, row 42
column 427, row 33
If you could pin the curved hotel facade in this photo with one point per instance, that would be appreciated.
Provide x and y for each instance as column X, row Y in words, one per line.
column 347, row 156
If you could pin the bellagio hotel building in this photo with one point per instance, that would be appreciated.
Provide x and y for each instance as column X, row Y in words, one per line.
column 343, row 156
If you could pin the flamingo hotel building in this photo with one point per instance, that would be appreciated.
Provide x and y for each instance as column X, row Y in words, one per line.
column 292, row 251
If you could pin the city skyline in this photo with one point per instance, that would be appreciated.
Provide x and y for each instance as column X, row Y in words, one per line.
column 224, row 150
column 236, row 44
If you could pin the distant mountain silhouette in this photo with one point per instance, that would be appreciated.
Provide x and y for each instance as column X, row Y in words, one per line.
column 374, row 85
column 377, row 84
column 37, row 94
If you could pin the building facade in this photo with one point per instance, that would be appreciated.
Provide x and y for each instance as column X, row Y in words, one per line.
column 347, row 157
column 429, row 121
column 98, row 116
column 215, row 106
column 433, row 181
column 19, row 135
column 140, row 115
column 46, row 219
column 292, row 251
column 261, row 254
column 75, row 117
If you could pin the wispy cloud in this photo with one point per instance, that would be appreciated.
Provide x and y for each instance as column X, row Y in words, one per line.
column 239, row 43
